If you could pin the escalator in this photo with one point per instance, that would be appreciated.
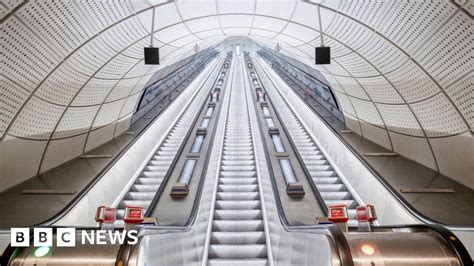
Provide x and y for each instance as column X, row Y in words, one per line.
column 331, row 189
column 238, row 234
column 149, row 180
column 337, row 191
column 330, row 185
column 238, row 219
column 143, row 190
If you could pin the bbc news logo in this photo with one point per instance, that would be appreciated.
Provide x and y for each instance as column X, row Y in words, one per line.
column 66, row 237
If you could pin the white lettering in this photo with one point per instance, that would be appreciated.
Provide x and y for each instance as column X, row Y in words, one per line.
column 101, row 237
column 66, row 237
column 133, row 236
column 90, row 238
column 43, row 237
column 115, row 236
column 20, row 237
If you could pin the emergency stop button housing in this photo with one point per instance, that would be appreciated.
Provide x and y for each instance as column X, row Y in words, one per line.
column 366, row 213
column 366, row 216
column 105, row 214
column 133, row 214
column 339, row 215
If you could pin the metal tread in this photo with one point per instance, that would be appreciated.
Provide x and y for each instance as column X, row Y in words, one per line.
column 237, row 231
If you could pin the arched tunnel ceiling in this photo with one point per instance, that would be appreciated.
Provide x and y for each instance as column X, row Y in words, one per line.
column 402, row 70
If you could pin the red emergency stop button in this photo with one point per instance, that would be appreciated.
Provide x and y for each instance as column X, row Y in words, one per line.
column 133, row 214
column 338, row 214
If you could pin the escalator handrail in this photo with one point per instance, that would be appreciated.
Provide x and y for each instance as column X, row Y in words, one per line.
column 454, row 242
column 442, row 232
column 297, row 82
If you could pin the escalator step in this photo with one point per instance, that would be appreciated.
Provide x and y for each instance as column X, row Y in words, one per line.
column 338, row 195
column 239, row 238
column 349, row 203
column 238, row 214
column 237, row 188
column 238, row 180
column 237, row 205
column 140, row 195
column 239, row 196
column 237, row 251
column 330, row 187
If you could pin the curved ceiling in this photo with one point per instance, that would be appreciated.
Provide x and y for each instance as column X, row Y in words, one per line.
column 73, row 71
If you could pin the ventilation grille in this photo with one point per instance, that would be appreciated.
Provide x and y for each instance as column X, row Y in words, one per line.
column 117, row 67
column 470, row 7
column 11, row 4
column 76, row 121
column 346, row 31
column 94, row 92
column 367, row 112
column 13, row 96
column 448, row 55
column 141, row 84
column 136, row 50
column 26, row 59
column 400, row 119
column 383, row 55
column 335, row 68
column 124, row 34
column 412, row 82
column 438, row 117
column 345, row 103
column 334, row 83
column 122, row 89
column 411, row 23
column 129, row 105
column 357, row 66
column 61, row 86
column 37, row 120
column 139, row 70
column 462, row 94
column 58, row 23
column 3, row 11
column 368, row 12
column 108, row 113
column 352, row 88
column 91, row 57
column 337, row 49
column 102, row 14
column 380, row 90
